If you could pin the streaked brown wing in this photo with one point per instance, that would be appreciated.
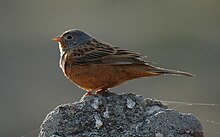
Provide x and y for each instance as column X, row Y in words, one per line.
column 98, row 52
column 124, row 56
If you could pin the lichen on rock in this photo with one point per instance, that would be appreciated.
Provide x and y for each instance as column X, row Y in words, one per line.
column 113, row 115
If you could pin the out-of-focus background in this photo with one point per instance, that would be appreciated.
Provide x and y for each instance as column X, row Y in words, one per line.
column 177, row 34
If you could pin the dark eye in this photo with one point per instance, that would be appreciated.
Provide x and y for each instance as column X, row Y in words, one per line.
column 69, row 37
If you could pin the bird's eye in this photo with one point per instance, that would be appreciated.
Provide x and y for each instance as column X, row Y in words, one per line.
column 69, row 37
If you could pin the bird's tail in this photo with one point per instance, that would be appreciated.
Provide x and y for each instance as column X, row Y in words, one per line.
column 170, row 72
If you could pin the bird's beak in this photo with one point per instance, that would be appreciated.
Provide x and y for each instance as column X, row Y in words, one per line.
column 57, row 39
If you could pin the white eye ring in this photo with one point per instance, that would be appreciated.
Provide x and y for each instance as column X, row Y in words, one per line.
column 69, row 37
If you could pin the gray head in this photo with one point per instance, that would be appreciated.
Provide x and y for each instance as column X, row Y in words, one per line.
column 72, row 38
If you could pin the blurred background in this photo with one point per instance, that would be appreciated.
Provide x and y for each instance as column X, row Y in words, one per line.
column 176, row 34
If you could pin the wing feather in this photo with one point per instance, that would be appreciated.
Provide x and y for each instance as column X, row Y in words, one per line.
column 98, row 52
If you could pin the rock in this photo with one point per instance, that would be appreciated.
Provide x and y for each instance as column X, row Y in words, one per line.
column 113, row 115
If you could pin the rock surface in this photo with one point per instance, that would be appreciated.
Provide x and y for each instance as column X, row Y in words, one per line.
column 113, row 115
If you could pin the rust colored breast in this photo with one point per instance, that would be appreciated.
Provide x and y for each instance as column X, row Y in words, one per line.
column 99, row 77
column 93, row 77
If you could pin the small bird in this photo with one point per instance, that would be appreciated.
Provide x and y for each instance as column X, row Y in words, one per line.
column 96, row 66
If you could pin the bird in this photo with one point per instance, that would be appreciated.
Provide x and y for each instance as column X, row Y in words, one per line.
column 96, row 66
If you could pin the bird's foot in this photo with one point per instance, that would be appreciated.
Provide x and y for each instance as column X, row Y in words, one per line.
column 104, row 92
column 88, row 94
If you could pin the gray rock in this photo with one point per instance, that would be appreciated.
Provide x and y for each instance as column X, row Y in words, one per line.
column 113, row 115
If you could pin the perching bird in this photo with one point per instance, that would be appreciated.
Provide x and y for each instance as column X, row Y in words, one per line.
column 96, row 66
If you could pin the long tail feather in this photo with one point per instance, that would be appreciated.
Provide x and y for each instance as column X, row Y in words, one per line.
column 171, row 72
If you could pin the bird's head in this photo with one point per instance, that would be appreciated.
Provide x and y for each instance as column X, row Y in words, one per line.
column 71, row 38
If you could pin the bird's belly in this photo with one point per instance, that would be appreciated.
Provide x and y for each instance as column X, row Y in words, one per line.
column 99, row 77
column 96, row 77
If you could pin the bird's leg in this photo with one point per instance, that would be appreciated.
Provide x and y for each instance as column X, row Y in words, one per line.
column 102, row 91
column 89, row 93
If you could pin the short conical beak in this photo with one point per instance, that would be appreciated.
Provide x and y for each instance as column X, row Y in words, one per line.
column 57, row 39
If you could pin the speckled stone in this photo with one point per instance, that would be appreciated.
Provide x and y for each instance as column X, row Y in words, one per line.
column 113, row 115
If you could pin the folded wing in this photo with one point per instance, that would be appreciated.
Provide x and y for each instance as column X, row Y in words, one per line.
column 97, row 52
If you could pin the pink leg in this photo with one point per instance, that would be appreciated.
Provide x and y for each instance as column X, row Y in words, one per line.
column 89, row 93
